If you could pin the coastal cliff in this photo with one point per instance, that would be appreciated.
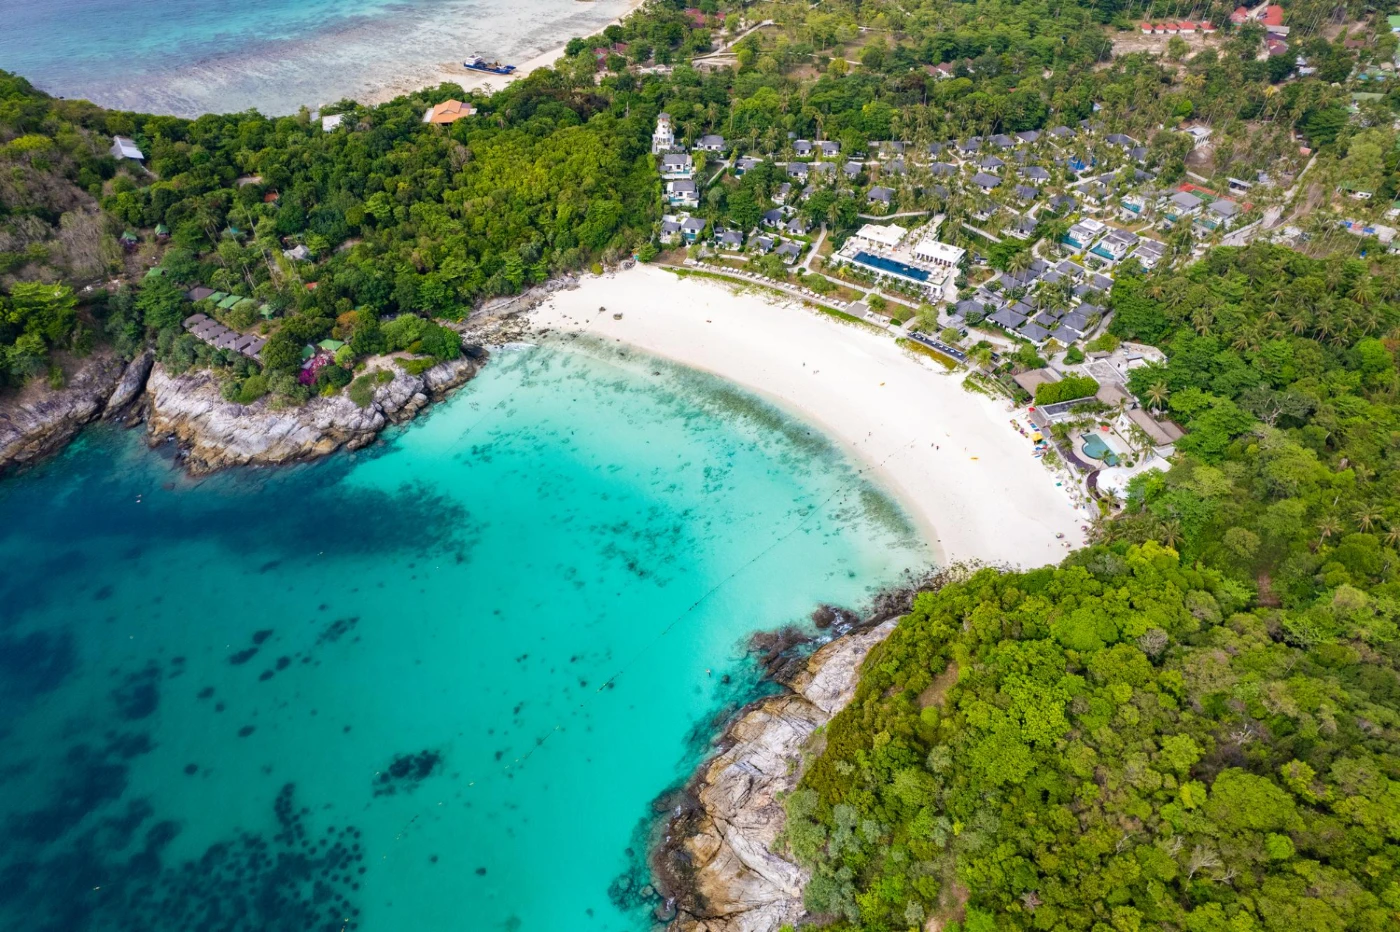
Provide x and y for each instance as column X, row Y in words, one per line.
column 717, row 865
column 41, row 419
column 215, row 433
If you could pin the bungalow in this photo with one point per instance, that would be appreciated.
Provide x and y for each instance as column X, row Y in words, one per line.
column 1240, row 16
column 1025, row 192
column 1029, row 136
column 796, row 227
column 782, row 193
column 1082, row 318
column 449, row 111
column 881, row 196
column 985, row 211
column 682, row 193
column 823, row 168
column 125, row 148
column 1035, row 173
column 1150, row 252
column 943, row 169
column 1083, row 233
column 1003, row 141
column 1181, row 204
column 1062, row 132
column 986, row 182
column 677, row 165
column 789, row 252
column 802, row 148
column 970, row 145
column 728, row 239
column 710, row 143
column 1138, row 153
column 893, row 167
column 1022, row 228
column 1034, row 332
column 298, row 253
column 1208, row 28
column 746, row 163
column 1116, row 244
column 830, row 148
column 1147, row 29
column 798, row 170
column 670, row 230
column 852, row 170
column 1006, row 318
column 1062, row 204
column 970, row 311
column 692, row 227
column 1219, row 213
column 763, row 245
column 992, row 164
column 1132, row 206
column 773, row 218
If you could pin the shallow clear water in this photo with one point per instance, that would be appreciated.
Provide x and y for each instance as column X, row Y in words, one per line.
column 527, row 600
column 189, row 57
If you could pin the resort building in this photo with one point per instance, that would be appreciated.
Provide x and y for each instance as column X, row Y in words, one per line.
column 677, row 165
column 710, row 143
column 125, row 148
column 449, row 111
column 663, row 138
column 1150, row 252
column 682, row 193
column 217, row 335
column 1115, row 245
column 928, row 265
column 1083, row 234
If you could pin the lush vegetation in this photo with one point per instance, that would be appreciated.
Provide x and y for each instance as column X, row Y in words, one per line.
column 1191, row 725
column 1070, row 388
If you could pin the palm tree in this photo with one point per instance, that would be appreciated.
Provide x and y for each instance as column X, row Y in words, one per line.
column 1392, row 535
column 1326, row 528
column 1169, row 532
column 1157, row 393
column 1366, row 516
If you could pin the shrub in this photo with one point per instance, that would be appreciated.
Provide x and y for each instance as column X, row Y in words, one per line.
column 1075, row 386
column 361, row 391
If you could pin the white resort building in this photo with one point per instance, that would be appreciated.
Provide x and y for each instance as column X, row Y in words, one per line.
column 664, row 138
column 882, row 250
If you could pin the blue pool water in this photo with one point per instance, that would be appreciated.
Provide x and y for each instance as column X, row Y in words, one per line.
column 1095, row 448
column 891, row 266
column 434, row 685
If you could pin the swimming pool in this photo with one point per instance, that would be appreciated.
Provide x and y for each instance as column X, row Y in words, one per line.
column 1095, row 448
column 891, row 266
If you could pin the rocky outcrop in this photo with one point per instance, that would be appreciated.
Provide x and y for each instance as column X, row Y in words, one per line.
column 215, row 433
column 129, row 386
column 718, row 865
column 39, row 420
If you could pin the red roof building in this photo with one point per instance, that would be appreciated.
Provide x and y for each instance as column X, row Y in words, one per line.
column 1147, row 29
column 1241, row 15
column 1273, row 15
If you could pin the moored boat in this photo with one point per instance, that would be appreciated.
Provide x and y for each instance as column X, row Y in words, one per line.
column 477, row 63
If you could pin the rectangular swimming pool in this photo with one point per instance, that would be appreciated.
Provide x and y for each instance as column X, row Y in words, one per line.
column 891, row 267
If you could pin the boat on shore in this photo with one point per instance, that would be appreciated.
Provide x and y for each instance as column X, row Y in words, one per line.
column 477, row 63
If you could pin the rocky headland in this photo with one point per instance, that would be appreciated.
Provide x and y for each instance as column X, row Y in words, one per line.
column 214, row 433
column 716, row 866
column 41, row 419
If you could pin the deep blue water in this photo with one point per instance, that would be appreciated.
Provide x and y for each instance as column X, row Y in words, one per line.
column 433, row 685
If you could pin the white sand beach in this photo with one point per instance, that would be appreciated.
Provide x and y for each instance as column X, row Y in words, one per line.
column 452, row 72
column 950, row 456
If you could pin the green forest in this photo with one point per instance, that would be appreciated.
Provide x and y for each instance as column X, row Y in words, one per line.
column 1193, row 723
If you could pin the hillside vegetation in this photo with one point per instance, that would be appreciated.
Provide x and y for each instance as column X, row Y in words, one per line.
column 1192, row 725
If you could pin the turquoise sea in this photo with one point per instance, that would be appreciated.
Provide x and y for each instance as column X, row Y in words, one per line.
column 189, row 57
column 435, row 685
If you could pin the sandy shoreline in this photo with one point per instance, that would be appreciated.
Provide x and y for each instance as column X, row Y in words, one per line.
column 950, row 456
column 453, row 72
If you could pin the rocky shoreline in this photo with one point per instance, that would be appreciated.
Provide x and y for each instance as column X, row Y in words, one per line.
column 715, row 864
column 214, row 434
